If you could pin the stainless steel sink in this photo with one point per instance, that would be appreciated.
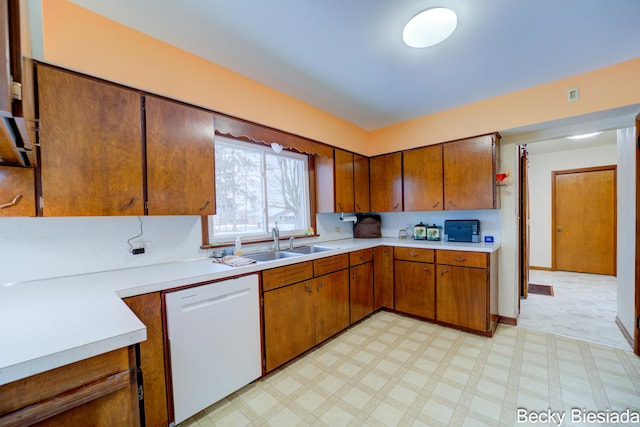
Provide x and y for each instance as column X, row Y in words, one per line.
column 271, row 256
column 309, row 249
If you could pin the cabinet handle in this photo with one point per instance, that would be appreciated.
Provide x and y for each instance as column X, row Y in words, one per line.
column 396, row 206
column 308, row 289
column 451, row 203
column 427, row 270
column 413, row 254
column 204, row 206
column 445, row 271
column 128, row 205
column 436, row 204
column 386, row 252
column 358, row 207
column 361, row 257
column 460, row 259
column 319, row 285
column 12, row 202
column 340, row 207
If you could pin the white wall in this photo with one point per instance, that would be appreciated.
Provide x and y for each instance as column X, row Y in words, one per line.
column 540, row 191
column 626, row 224
column 35, row 248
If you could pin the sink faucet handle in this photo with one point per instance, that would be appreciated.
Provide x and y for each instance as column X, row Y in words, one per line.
column 291, row 242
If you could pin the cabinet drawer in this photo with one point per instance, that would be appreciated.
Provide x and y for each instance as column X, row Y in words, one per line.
column 330, row 264
column 462, row 258
column 281, row 276
column 360, row 257
column 58, row 381
column 414, row 254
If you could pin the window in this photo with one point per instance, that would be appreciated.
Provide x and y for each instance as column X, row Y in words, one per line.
column 255, row 188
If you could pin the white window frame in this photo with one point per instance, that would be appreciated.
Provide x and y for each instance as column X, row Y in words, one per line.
column 265, row 234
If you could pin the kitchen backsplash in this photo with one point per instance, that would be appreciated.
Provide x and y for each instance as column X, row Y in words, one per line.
column 38, row 248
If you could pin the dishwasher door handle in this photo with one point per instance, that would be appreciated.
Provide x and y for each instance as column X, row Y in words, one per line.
column 214, row 300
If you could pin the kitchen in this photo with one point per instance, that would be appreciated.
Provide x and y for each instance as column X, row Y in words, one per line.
column 68, row 246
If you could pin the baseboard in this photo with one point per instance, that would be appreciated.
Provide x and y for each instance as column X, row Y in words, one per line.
column 534, row 267
column 508, row 320
column 625, row 333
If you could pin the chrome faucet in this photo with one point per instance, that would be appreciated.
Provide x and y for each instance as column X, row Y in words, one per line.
column 291, row 242
column 275, row 232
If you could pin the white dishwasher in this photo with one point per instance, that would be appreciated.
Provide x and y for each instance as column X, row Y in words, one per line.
column 214, row 342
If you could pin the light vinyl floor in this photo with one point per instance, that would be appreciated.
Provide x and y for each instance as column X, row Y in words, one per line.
column 584, row 306
column 392, row 370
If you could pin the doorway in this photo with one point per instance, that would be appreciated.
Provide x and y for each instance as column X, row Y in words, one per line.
column 560, row 171
column 584, row 220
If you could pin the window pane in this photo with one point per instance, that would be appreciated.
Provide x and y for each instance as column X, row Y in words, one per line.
column 255, row 188
column 286, row 193
column 239, row 191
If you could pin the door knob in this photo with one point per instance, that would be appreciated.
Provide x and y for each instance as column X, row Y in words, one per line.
column 560, row 228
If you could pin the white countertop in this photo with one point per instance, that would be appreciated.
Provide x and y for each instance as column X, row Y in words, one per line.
column 49, row 323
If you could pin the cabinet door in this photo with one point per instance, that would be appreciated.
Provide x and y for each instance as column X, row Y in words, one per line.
column 422, row 179
column 331, row 304
column 470, row 173
column 386, row 183
column 101, row 391
column 415, row 288
column 288, row 323
column 361, row 183
column 343, row 181
column 180, row 159
column 91, row 146
column 5, row 74
column 361, row 291
column 462, row 297
column 383, row 277
column 148, row 308
column 17, row 192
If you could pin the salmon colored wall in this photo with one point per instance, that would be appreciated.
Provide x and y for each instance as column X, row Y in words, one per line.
column 76, row 38
column 603, row 89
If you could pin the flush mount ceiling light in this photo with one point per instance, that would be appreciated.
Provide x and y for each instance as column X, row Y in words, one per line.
column 584, row 135
column 430, row 27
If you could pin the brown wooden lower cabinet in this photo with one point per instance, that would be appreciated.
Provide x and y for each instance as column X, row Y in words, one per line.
column 288, row 323
column 415, row 288
column 467, row 290
column 101, row 391
column 383, row 277
column 361, row 290
column 148, row 308
column 298, row 314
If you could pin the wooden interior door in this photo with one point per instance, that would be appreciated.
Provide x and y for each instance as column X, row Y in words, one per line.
column 584, row 220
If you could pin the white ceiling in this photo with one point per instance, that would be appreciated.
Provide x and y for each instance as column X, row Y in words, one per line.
column 347, row 56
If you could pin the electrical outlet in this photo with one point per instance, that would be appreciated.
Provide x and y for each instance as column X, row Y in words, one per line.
column 573, row 95
column 337, row 230
column 140, row 246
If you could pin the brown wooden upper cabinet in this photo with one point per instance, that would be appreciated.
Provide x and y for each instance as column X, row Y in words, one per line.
column 386, row 182
column 361, row 183
column 422, row 179
column 470, row 173
column 91, row 146
column 344, row 200
column 17, row 127
column 180, row 159
column 342, row 182
column 17, row 191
